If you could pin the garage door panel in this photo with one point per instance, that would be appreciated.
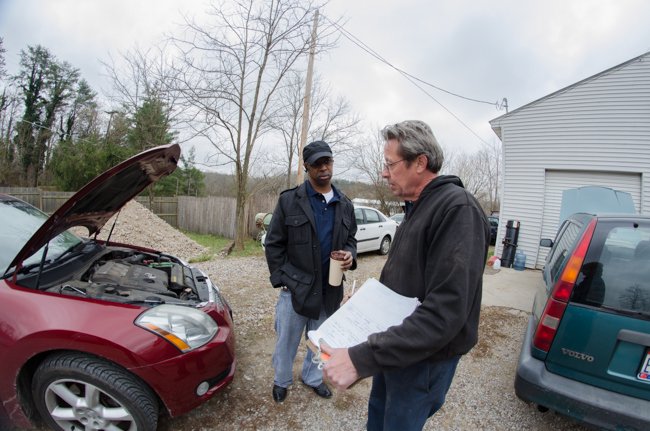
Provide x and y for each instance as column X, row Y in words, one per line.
column 556, row 181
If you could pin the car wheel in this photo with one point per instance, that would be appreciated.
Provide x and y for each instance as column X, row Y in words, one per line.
column 76, row 391
column 385, row 245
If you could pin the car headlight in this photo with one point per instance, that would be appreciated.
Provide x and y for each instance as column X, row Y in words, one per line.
column 184, row 327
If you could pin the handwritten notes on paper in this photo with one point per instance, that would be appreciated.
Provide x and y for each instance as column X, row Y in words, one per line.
column 373, row 308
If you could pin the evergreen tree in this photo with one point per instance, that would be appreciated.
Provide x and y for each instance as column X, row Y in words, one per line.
column 150, row 127
column 75, row 163
column 186, row 180
column 46, row 86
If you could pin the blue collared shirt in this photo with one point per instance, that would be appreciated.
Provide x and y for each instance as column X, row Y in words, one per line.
column 324, row 218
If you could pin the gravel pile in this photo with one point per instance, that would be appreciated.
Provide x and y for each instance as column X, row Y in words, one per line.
column 481, row 395
column 138, row 226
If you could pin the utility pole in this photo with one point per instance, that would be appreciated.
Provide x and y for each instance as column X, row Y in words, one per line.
column 305, row 109
column 110, row 118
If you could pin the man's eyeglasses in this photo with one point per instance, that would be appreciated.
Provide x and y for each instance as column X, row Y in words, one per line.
column 389, row 165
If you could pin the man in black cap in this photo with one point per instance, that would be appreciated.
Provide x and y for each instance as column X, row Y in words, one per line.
column 309, row 222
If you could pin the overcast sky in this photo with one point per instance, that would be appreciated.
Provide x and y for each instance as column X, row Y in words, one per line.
column 487, row 50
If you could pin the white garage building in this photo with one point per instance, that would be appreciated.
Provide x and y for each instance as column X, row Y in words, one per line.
column 593, row 133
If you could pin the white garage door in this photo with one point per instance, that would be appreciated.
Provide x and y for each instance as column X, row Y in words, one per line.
column 558, row 181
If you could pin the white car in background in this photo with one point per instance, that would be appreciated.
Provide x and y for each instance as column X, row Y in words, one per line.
column 398, row 218
column 375, row 231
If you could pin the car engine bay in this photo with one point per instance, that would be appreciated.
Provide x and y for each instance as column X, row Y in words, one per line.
column 131, row 276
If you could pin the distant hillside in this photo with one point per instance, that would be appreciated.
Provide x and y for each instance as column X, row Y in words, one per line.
column 217, row 184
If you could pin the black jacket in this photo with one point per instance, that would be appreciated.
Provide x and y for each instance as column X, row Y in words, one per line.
column 293, row 251
column 438, row 256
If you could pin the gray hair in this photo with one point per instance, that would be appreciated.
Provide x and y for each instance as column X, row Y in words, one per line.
column 415, row 137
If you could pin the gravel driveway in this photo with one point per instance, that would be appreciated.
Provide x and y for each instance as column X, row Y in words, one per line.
column 481, row 396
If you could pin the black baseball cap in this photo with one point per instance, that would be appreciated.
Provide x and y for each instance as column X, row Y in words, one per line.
column 315, row 151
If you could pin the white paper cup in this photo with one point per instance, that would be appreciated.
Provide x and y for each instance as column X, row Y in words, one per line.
column 336, row 272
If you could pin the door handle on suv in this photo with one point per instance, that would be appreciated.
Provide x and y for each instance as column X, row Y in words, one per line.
column 634, row 337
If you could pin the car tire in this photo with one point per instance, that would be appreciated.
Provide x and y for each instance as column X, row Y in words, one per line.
column 74, row 391
column 384, row 246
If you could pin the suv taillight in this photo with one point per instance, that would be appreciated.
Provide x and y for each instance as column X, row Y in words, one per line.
column 556, row 304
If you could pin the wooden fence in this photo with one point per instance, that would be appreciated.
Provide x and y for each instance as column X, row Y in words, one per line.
column 216, row 215
column 209, row 215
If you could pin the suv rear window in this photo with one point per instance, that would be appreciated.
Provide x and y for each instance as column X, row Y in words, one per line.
column 616, row 270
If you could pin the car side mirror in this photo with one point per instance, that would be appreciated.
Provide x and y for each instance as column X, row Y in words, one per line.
column 545, row 242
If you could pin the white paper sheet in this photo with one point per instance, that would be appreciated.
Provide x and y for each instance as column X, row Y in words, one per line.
column 373, row 308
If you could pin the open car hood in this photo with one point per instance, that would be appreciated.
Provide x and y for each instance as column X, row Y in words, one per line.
column 101, row 198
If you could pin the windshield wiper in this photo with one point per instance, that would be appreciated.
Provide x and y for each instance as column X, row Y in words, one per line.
column 72, row 251
column 28, row 268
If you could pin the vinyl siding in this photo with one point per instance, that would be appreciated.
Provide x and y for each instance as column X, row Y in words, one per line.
column 601, row 124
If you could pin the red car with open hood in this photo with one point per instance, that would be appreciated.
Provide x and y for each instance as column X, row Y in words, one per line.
column 98, row 335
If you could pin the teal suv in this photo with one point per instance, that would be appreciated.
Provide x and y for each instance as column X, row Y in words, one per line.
column 586, row 352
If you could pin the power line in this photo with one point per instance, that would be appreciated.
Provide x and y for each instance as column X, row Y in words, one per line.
column 414, row 80
column 40, row 126
column 54, row 132
column 446, row 109
column 372, row 52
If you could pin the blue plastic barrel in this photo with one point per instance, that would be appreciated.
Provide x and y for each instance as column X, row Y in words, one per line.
column 520, row 261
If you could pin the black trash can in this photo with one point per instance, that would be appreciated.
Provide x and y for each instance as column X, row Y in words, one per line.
column 510, row 243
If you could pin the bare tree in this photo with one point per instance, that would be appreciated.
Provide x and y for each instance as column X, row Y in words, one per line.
column 140, row 76
column 3, row 63
column 336, row 124
column 480, row 173
column 232, row 68
column 493, row 171
column 288, row 121
column 331, row 120
column 369, row 159
column 10, row 109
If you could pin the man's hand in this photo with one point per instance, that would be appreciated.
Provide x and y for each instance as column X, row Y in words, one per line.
column 339, row 370
column 347, row 262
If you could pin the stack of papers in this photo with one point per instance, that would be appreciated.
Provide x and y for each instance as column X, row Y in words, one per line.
column 373, row 308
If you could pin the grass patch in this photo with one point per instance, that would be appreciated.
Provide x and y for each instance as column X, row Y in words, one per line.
column 216, row 244
column 202, row 258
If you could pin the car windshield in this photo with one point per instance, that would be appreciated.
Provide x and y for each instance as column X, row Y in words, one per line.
column 19, row 222
column 616, row 272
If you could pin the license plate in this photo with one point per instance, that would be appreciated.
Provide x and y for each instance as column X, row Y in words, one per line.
column 644, row 373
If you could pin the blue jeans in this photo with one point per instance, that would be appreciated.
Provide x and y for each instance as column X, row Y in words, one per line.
column 290, row 327
column 403, row 399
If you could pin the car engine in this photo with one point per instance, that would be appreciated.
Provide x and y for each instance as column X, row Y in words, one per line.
column 124, row 275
